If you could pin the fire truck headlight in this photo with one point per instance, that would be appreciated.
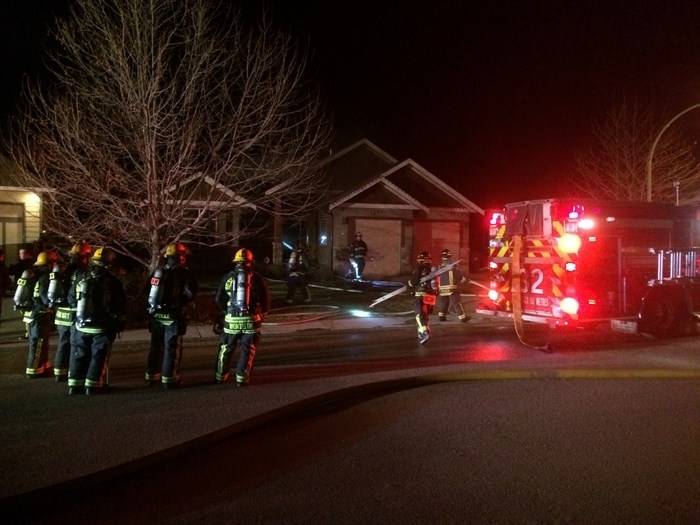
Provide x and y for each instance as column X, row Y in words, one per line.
column 586, row 224
column 569, row 305
column 493, row 295
column 569, row 243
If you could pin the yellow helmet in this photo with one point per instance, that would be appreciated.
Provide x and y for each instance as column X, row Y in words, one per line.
column 176, row 248
column 45, row 258
column 103, row 256
column 243, row 255
column 81, row 249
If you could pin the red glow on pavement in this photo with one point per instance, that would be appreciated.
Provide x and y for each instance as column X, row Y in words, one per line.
column 486, row 352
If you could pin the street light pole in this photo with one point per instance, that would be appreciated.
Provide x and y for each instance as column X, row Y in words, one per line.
column 656, row 141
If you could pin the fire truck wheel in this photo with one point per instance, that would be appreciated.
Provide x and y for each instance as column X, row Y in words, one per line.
column 665, row 314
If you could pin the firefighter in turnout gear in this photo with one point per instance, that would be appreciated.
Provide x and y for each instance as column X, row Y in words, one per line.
column 61, row 279
column 424, row 294
column 100, row 315
column 358, row 252
column 298, row 265
column 244, row 299
column 32, row 299
column 449, row 293
column 17, row 270
column 173, row 289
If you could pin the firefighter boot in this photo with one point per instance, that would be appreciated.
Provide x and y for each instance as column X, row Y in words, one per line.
column 423, row 336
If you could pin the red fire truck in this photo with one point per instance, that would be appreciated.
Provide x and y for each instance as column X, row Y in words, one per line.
column 574, row 263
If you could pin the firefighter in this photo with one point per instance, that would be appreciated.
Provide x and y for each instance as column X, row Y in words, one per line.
column 25, row 262
column 60, row 280
column 448, row 283
column 173, row 288
column 244, row 299
column 298, row 267
column 100, row 303
column 424, row 295
column 31, row 298
column 358, row 252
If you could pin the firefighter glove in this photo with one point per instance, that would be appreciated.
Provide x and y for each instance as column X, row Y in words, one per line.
column 218, row 327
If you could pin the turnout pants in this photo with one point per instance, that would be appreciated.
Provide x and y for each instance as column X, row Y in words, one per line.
column 422, row 310
column 166, row 351
column 89, row 359
column 359, row 266
column 63, row 350
column 39, row 330
column 295, row 282
column 451, row 301
column 64, row 320
column 228, row 342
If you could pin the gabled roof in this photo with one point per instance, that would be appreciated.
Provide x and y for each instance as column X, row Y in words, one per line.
column 413, row 186
column 195, row 186
column 355, row 166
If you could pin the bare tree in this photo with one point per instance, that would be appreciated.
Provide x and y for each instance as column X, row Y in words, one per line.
column 615, row 167
column 166, row 119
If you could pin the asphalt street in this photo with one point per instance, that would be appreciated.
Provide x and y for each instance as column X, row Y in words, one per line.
column 377, row 430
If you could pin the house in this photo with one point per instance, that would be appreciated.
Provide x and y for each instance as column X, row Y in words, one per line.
column 401, row 209
column 399, row 206
column 20, row 213
column 22, row 220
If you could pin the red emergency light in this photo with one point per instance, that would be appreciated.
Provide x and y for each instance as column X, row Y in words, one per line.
column 575, row 220
column 496, row 220
column 576, row 211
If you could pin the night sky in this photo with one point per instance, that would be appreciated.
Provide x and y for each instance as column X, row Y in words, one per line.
column 492, row 97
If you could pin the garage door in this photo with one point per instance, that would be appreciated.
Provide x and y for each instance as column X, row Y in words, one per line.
column 383, row 238
column 435, row 237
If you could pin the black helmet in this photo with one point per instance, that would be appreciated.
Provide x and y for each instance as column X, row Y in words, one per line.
column 446, row 254
column 424, row 257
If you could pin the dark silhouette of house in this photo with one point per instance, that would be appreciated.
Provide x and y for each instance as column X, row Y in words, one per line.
column 400, row 208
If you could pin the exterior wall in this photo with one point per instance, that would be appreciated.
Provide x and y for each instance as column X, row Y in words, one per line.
column 418, row 231
column 31, row 227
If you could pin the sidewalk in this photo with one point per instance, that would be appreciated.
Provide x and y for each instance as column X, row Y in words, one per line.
column 280, row 321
